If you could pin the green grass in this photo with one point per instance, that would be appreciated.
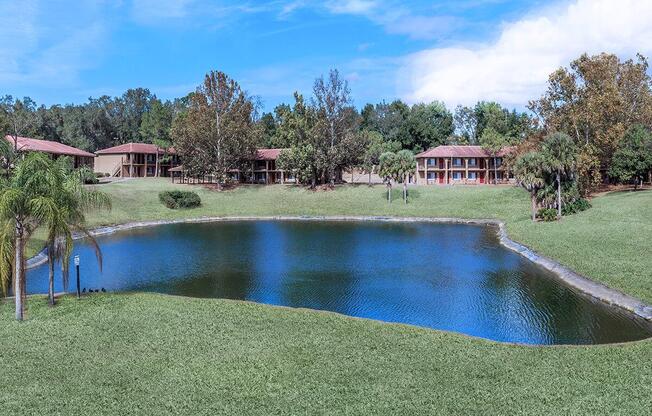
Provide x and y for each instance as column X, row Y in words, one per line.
column 157, row 354
column 610, row 242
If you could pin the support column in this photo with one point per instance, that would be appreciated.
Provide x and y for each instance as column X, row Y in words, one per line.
column 466, row 170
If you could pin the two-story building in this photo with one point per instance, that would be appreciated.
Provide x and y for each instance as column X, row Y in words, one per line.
column 54, row 149
column 461, row 165
column 135, row 160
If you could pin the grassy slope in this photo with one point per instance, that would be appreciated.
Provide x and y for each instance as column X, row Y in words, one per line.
column 155, row 354
column 607, row 243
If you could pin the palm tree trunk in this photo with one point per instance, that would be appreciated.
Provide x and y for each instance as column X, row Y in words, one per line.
column 558, row 194
column 389, row 192
column 19, row 286
column 405, row 189
column 51, row 274
column 533, row 198
column 369, row 178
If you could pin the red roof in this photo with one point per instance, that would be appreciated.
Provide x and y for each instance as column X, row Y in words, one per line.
column 267, row 154
column 26, row 144
column 462, row 151
column 133, row 148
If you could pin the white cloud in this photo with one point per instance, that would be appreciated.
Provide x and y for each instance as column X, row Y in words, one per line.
column 515, row 67
column 351, row 6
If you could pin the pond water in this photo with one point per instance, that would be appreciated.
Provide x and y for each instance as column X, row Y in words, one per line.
column 445, row 276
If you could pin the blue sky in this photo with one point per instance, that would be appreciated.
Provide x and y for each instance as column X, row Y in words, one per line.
column 455, row 51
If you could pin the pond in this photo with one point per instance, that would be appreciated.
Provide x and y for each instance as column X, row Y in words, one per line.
column 452, row 277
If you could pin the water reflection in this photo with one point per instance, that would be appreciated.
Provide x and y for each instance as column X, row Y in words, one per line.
column 451, row 277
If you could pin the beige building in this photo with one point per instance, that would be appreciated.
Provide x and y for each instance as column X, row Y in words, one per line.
column 135, row 160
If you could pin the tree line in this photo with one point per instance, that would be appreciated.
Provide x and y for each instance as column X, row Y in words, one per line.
column 596, row 101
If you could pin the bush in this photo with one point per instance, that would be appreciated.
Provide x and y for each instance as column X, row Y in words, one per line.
column 576, row 206
column 179, row 199
column 547, row 214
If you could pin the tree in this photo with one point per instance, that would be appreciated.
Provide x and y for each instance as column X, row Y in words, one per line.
column 429, row 125
column 529, row 172
column 216, row 135
column 19, row 117
column 24, row 203
column 390, row 120
column 493, row 142
column 268, row 130
column 466, row 123
column 376, row 146
column 595, row 101
column 298, row 128
column 405, row 165
column 66, row 216
column 560, row 154
column 332, row 102
column 633, row 157
column 388, row 170
column 155, row 129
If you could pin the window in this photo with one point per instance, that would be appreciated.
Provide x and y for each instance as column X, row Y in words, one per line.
column 457, row 176
column 432, row 176
column 473, row 176
column 432, row 162
column 473, row 162
column 499, row 161
column 457, row 161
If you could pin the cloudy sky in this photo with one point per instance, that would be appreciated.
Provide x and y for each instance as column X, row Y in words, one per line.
column 457, row 51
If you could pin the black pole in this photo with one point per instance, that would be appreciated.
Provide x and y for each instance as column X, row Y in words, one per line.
column 78, row 292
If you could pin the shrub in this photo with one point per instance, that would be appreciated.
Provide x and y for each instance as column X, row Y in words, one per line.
column 547, row 214
column 179, row 199
column 87, row 176
column 575, row 206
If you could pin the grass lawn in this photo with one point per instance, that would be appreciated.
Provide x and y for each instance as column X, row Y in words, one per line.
column 157, row 354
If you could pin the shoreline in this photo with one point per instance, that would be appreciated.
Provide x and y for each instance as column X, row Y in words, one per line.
column 584, row 284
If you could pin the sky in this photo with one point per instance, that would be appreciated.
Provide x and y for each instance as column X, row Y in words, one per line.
column 456, row 51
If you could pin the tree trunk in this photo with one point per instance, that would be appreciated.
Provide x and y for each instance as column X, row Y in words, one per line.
column 51, row 274
column 558, row 194
column 156, row 166
column 533, row 198
column 369, row 178
column 19, row 285
column 405, row 189
column 389, row 192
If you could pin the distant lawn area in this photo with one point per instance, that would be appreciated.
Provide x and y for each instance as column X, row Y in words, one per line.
column 610, row 242
column 119, row 354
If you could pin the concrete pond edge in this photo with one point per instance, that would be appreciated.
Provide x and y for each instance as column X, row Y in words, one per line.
column 581, row 283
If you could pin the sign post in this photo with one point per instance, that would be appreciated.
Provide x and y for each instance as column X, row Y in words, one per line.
column 77, row 268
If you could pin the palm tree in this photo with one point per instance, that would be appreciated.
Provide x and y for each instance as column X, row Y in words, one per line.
column 23, row 202
column 38, row 192
column 387, row 171
column 405, row 165
column 71, row 199
column 560, row 155
column 529, row 173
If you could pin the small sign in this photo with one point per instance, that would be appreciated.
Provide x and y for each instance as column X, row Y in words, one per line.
column 76, row 260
